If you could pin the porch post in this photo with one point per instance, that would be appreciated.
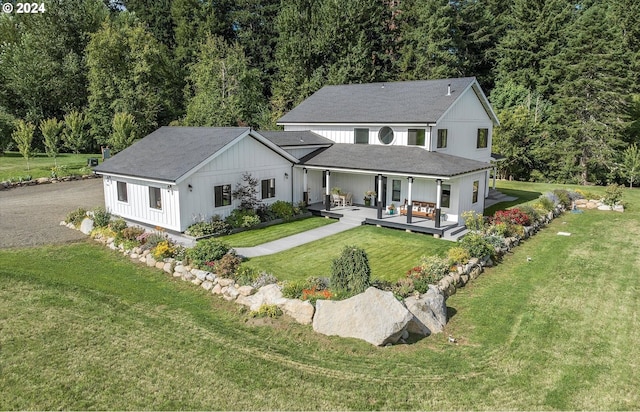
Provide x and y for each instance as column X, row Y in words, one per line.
column 305, row 187
column 327, row 195
column 486, row 184
column 495, row 171
column 409, row 201
column 438, row 200
column 379, row 196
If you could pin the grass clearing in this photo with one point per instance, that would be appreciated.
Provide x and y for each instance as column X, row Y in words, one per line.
column 256, row 237
column 81, row 327
column 13, row 165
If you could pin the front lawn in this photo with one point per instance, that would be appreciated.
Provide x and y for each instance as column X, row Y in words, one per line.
column 391, row 253
column 13, row 165
column 256, row 237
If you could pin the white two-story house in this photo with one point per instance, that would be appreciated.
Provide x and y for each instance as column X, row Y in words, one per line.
column 426, row 141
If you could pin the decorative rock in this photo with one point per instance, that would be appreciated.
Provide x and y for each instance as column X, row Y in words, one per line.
column 231, row 293
column 151, row 262
column 159, row 265
column 429, row 311
column 200, row 274
column 226, row 282
column 618, row 208
column 217, row 289
column 179, row 269
column 196, row 281
column 168, row 267
column 301, row 310
column 246, row 290
column 266, row 295
column 374, row 316
column 207, row 285
column 177, row 274
column 475, row 272
column 187, row 276
column 142, row 259
column 210, row 277
column 464, row 279
column 86, row 226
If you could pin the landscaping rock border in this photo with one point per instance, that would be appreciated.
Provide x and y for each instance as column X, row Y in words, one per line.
column 6, row 185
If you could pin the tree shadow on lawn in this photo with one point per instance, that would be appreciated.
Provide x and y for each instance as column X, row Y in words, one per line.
column 523, row 196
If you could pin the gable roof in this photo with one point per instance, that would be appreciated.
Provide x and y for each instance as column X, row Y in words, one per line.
column 402, row 160
column 296, row 138
column 170, row 154
column 413, row 102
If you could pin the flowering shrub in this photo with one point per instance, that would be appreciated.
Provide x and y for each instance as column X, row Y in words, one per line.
column 314, row 294
column 514, row 216
column 227, row 265
column 473, row 221
column 163, row 250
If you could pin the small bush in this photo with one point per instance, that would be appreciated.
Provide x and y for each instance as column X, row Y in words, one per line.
column 212, row 228
column 151, row 240
column 501, row 229
column 242, row 218
column 261, row 280
column 266, row 311
column 313, row 294
column 403, row 288
column 545, row 203
column 118, row 225
column 163, row 250
column 76, row 217
column 250, row 221
column 531, row 212
column 350, row 272
column 227, row 266
column 553, row 198
column 458, row 255
column 477, row 246
column 495, row 241
column 132, row 233
column 292, row 289
column 101, row 217
column 563, row 197
column 473, row 221
column 282, row 209
column 265, row 213
column 207, row 250
column 612, row 195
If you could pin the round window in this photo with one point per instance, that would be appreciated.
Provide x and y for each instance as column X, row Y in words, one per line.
column 385, row 135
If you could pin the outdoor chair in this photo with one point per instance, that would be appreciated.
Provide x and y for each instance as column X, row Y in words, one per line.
column 348, row 200
column 336, row 200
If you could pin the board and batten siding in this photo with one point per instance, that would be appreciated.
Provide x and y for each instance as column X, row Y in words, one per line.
column 465, row 192
column 137, row 205
column 247, row 155
column 346, row 134
column 462, row 122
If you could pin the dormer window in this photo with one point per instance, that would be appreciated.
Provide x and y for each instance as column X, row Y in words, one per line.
column 385, row 135
column 416, row 137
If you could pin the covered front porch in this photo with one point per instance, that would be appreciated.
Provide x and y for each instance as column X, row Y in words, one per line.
column 366, row 215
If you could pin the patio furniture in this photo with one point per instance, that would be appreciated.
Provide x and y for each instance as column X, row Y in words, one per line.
column 336, row 199
column 420, row 208
column 348, row 199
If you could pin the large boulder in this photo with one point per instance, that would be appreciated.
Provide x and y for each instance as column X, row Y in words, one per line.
column 429, row 312
column 301, row 310
column 266, row 295
column 86, row 226
column 374, row 316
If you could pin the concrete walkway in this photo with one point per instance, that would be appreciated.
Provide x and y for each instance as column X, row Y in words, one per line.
column 297, row 240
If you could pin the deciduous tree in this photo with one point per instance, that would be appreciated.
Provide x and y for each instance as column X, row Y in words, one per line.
column 23, row 136
column 51, row 130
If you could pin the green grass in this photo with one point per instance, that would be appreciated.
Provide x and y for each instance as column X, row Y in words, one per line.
column 14, row 166
column 391, row 253
column 256, row 237
column 83, row 328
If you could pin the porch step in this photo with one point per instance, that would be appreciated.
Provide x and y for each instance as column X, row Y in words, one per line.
column 456, row 235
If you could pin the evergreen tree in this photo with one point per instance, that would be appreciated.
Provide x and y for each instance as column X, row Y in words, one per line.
column 428, row 40
column 222, row 90
column 590, row 98
column 51, row 130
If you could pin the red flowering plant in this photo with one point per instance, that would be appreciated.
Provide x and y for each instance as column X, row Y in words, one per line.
column 511, row 216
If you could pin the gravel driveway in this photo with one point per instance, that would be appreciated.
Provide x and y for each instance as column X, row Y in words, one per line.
column 30, row 216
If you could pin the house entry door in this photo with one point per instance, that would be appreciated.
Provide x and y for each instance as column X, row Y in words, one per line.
column 384, row 191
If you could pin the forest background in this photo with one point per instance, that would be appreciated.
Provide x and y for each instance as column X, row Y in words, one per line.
column 563, row 76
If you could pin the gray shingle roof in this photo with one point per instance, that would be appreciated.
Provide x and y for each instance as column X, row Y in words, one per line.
column 422, row 101
column 170, row 152
column 403, row 160
column 301, row 138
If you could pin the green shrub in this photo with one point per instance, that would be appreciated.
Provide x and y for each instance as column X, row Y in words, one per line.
column 545, row 203
column 476, row 245
column 282, row 210
column 531, row 212
column 250, row 221
column 612, row 195
column 563, row 197
column 350, row 272
column 132, row 232
column 403, row 288
column 473, row 221
column 458, row 255
column 260, row 280
column 227, row 266
column 503, row 229
column 292, row 289
column 242, row 218
column 101, row 217
column 207, row 250
column 212, row 228
column 266, row 311
column 76, row 217
column 118, row 225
